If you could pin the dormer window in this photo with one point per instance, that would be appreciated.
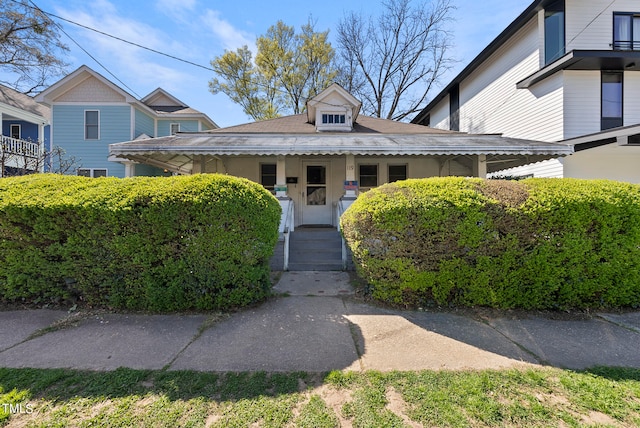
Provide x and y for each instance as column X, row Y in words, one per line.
column 333, row 110
column 333, row 118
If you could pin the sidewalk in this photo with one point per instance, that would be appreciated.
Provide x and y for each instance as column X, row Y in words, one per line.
column 317, row 326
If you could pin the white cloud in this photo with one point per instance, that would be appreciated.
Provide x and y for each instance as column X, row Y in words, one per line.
column 229, row 37
column 137, row 67
column 177, row 10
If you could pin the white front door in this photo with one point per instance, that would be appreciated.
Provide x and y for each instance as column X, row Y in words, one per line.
column 316, row 202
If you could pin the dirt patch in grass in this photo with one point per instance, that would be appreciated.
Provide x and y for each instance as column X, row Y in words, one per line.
column 598, row 418
column 397, row 405
column 335, row 399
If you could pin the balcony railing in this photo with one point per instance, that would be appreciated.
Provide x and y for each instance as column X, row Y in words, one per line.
column 626, row 45
column 15, row 147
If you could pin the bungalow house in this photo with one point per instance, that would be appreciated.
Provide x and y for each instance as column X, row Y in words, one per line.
column 89, row 112
column 565, row 71
column 25, row 133
column 317, row 162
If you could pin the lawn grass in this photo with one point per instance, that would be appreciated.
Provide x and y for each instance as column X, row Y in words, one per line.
column 538, row 397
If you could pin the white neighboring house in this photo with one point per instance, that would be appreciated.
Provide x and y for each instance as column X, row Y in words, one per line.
column 564, row 71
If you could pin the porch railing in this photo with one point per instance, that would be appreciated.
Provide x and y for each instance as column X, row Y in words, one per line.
column 340, row 209
column 16, row 147
column 288, row 221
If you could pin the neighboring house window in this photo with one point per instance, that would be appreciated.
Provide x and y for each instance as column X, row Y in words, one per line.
column 268, row 175
column 368, row 175
column 626, row 31
column 92, row 172
column 611, row 100
column 454, row 108
column 16, row 132
column 333, row 118
column 397, row 173
column 554, row 34
column 91, row 125
column 175, row 128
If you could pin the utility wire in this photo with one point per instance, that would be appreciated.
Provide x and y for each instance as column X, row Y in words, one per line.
column 126, row 41
column 84, row 50
column 51, row 15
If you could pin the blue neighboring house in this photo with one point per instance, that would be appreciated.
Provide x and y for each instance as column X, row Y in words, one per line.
column 89, row 112
column 25, row 133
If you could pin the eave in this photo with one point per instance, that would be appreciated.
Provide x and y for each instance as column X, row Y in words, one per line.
column 515, row 26
column 585, row 60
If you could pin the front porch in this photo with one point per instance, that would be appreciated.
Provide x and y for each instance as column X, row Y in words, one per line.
column 17, row 155
column 316, row 163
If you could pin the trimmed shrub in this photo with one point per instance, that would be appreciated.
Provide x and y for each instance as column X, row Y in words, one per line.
column 532, row 244
column 143, row 243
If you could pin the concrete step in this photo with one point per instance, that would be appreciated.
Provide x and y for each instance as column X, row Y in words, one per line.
column 317, row 249
column 322, row 267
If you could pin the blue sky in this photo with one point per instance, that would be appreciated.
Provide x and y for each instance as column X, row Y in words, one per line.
column 200, row 30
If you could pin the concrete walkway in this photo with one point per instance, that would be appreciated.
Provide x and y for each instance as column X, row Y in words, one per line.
column 315, row 325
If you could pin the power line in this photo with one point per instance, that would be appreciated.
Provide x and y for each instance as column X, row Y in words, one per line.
column 129, row 42
column 83, row 49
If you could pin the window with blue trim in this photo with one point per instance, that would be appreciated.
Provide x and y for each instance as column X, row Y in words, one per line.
column 333, row 118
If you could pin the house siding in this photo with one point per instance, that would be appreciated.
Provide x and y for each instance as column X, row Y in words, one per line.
column 91, row 90
column 28, row 130
column 491, row 103
column 68, row 132
column 552, row 168
column 440, row 115
column 631, row 105
column 144, row 124
column 612, row 162
column 164, row 126
column 589, row 24
column 581, row 103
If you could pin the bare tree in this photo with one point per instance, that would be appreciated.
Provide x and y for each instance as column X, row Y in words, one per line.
column 22, row 157
column 30, row 46
column 392, row 62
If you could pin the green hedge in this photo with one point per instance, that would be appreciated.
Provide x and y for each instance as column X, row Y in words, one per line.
column 159, row 244
column 533, row 244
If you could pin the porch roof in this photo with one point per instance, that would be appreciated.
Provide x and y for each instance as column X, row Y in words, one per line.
column 294, row 136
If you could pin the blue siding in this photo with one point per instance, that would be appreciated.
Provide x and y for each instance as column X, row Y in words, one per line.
column 144, row 125
column 29, row 131
column 68, row 133
column 164, row 126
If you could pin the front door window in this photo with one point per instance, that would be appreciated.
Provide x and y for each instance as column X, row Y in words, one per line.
column 316, row 185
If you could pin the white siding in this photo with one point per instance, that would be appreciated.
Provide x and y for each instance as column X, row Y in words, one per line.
column 440, row 114
column 611, row 162
column 551, row 168
column 491, row 103
column 631, row 95
column 589, row 24
column 581, row 103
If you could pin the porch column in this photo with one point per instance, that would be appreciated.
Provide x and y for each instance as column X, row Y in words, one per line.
column 287, row 221
column 350, row 175
column 41, row 147
column 199, row 164
column 480, row 166
column 129, row 169
column 281, row 177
